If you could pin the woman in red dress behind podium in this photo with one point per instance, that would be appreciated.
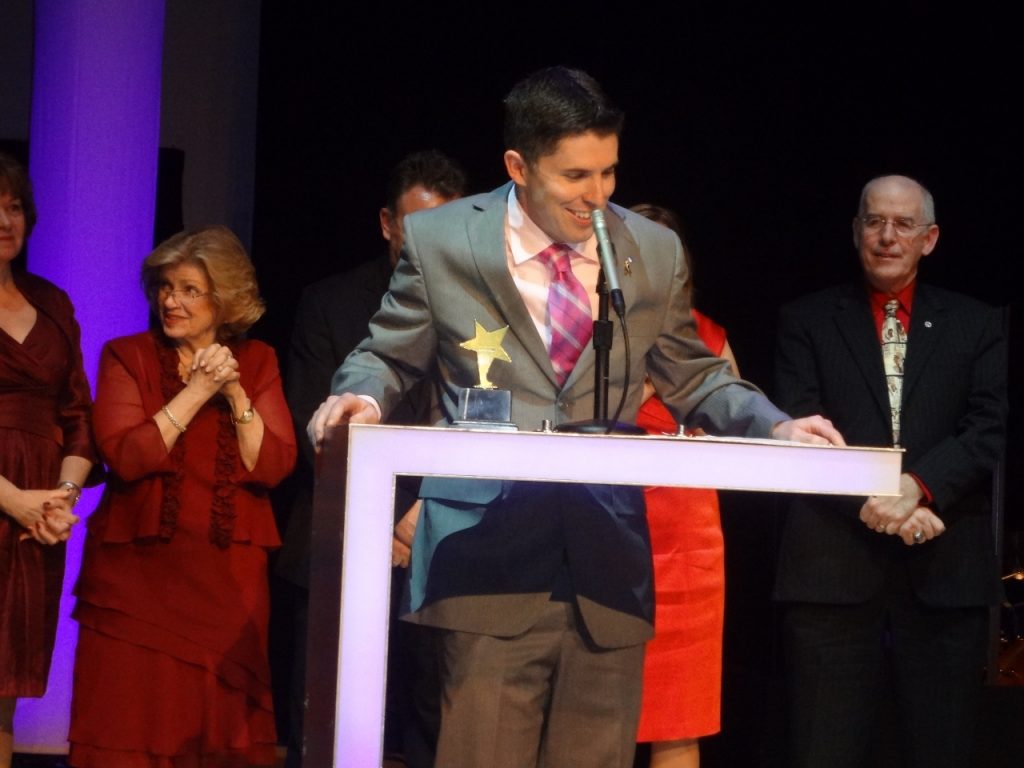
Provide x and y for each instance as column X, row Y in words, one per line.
column 683, row 662
column 172, row 668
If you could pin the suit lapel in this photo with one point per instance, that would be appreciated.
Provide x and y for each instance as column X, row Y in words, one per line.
column 487, row 244
column 926, row 328
column 857, row 328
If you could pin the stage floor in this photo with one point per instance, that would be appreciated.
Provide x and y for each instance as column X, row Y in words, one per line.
column 22, row 760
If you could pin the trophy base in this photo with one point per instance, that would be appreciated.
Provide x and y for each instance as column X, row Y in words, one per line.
column 506, row 426
column 485, row 409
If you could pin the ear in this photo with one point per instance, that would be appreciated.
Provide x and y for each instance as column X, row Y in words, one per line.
column 931, row 239
column 856, row 232
column 385, row 223
column 516, row 167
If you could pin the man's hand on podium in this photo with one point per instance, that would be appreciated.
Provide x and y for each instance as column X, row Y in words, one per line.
column 340, row 409
column 811, row 429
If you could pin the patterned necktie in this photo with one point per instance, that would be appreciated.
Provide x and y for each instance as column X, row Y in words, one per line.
column 894, row 352
column 568, row 311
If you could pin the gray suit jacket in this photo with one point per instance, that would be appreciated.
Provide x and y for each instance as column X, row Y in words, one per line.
column 453, row 273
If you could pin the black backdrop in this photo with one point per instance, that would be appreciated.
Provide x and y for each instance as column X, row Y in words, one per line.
column 759, row 132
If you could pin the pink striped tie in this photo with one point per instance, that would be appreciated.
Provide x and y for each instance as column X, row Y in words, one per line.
column 568, row 311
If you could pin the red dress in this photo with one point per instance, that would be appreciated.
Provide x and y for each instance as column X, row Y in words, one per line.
column 683, row 662
column 172, row 667
column 44, row 416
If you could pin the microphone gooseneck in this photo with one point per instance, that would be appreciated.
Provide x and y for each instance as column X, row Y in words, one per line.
column 606, row 255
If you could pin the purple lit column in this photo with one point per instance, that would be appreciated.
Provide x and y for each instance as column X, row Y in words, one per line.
column 93, row 149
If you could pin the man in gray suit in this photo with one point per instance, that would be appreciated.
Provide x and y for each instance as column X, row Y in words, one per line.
column 543, row 590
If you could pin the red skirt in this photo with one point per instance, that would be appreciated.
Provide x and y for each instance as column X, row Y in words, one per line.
column 158, row 711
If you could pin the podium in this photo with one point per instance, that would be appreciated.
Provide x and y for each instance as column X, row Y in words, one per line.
column 353, row 522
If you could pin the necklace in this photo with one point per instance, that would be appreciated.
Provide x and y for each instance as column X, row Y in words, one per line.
column 184, row 366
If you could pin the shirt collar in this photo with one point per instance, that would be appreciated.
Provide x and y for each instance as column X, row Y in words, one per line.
column 905, row 297
column 526, row 239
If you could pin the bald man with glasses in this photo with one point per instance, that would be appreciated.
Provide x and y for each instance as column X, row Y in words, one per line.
column 886, row 600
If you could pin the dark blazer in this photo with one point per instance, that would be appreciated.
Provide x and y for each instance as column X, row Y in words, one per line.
column 331, row 318
column 454, row 273
column 953, row 430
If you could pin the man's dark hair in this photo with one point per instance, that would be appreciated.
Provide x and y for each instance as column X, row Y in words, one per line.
column 429, row 168
column 554, row 103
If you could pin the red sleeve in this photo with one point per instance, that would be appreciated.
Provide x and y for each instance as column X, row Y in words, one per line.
column 74, row 404
column 261, row 378
column 128, row 438
column 926, row 495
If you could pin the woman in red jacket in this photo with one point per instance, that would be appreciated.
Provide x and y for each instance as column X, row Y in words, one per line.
column 172, row 666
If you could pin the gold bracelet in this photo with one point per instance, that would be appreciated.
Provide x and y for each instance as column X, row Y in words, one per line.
column 170, row 417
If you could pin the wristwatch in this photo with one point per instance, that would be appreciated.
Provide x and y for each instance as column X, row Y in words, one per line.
column 246, row 416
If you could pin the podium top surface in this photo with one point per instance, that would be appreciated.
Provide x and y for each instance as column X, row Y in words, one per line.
column 672, row 460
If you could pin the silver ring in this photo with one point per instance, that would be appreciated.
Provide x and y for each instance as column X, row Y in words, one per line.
column 880, row 528
column 918, row 536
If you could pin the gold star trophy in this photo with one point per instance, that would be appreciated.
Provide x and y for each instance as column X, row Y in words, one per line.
column 485, row 406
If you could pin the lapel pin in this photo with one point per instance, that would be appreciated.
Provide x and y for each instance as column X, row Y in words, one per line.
column 927, row 323
column 628, row 265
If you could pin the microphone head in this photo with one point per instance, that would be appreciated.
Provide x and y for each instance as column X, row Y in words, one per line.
column 597, row 219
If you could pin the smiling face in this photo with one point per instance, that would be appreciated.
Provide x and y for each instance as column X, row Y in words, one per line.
column 888, row 257
column 12, row 227
column 559, row 191
column 188, row 314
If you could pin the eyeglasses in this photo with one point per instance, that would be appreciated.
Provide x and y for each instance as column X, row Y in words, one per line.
column 902, row 226
column 186, row 297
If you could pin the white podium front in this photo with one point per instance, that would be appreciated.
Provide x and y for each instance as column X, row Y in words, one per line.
column 349, row 596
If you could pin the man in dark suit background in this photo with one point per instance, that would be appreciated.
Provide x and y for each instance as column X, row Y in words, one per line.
column 331, row 319
column 886, row 598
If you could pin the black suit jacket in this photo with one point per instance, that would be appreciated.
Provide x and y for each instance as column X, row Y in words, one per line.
column 332, row 317
column 953, row 430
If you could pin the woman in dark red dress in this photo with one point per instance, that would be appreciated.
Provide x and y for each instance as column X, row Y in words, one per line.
column 45, row 454
column 172, row 667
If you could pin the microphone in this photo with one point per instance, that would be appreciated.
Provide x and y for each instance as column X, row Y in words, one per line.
column 606, row 254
